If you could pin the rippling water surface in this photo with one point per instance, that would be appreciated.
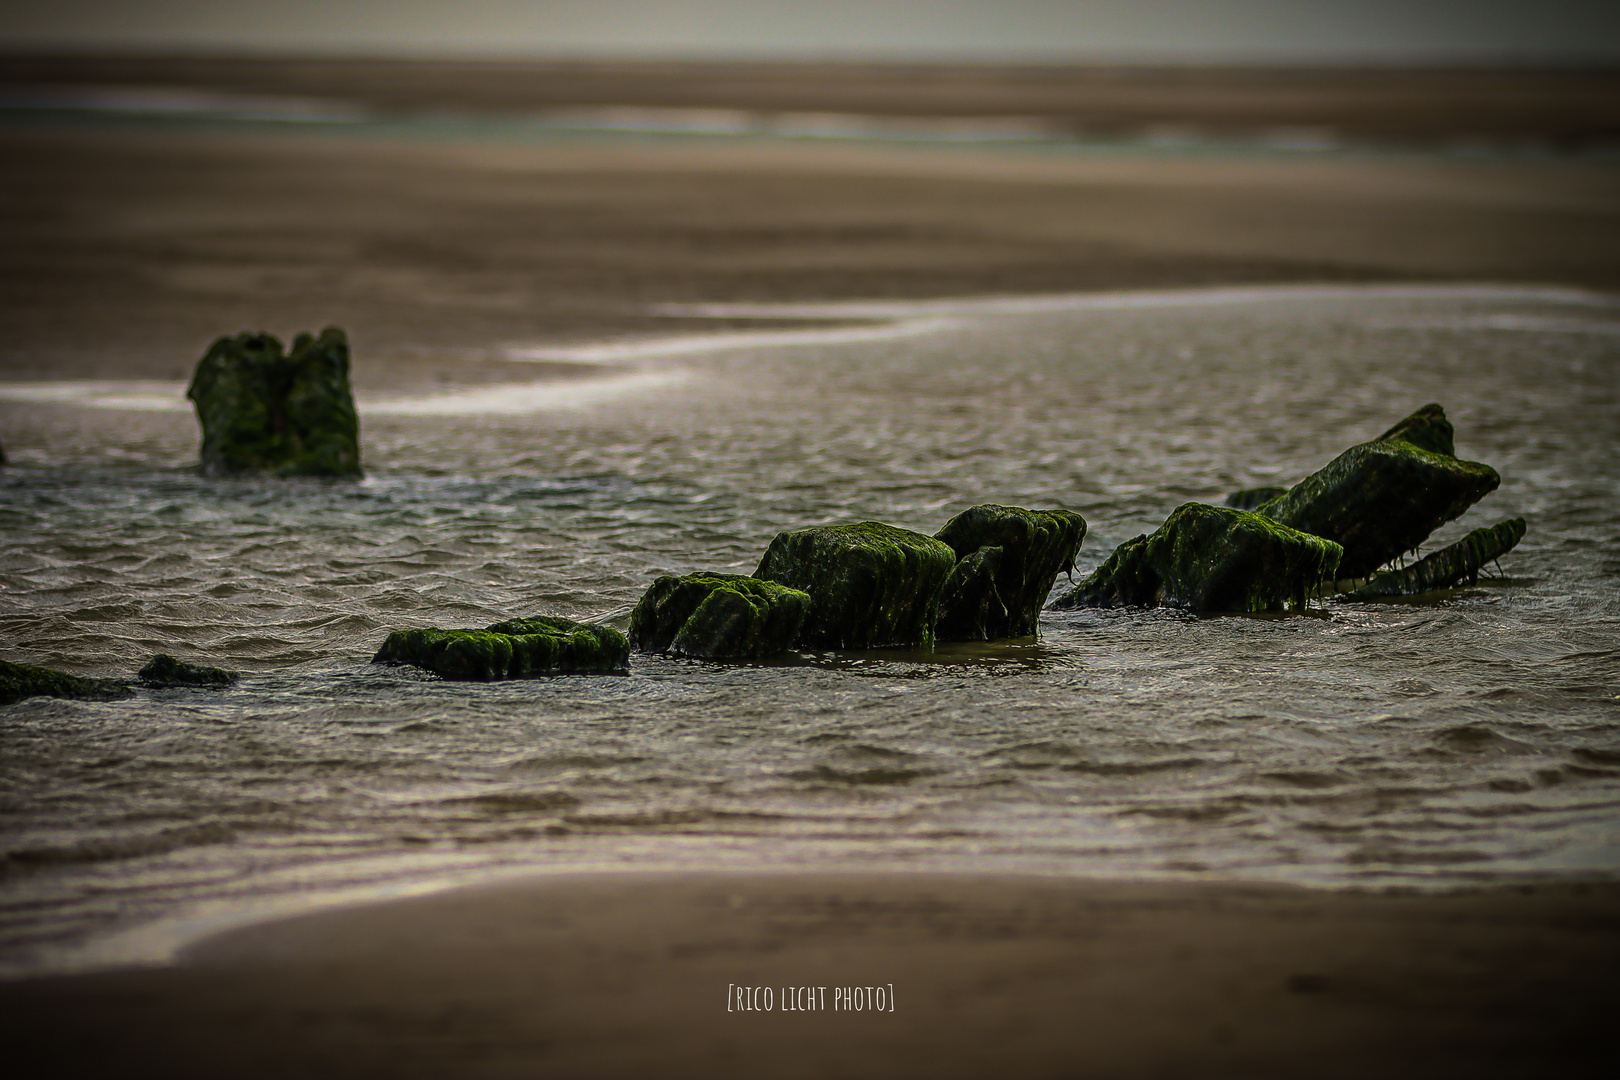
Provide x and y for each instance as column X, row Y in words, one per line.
column 1472, row 735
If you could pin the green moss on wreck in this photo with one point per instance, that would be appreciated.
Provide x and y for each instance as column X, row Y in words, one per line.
column 514, row 649
column 1384, row 497
column 1250, row 498
column 871, row 585
column 164, row 671
column 1451, row 565
column 1427, row 429
column 718, row 617
column 19, row 681
column 282, row 414
column 1000, row 593
column 970, row 604
column 1211, row 558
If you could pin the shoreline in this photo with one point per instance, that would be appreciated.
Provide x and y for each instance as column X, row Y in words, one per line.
column 162, row 941
column 616, row 974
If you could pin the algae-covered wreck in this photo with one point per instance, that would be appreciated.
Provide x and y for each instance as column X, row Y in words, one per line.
column 1371, row 505
column 280, row 413
column 987, row 573
column 1211, row 558
column 513, row 649
column 868, row 585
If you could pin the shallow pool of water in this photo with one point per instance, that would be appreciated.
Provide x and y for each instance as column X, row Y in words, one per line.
column 1472, row 735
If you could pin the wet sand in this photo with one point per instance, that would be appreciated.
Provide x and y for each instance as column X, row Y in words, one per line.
column 631, row 975
column 130, row 250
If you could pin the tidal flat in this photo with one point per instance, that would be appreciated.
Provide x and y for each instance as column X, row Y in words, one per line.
column 581, row 362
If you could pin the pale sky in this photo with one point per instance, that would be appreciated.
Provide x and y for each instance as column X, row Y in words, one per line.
column 1275, row 30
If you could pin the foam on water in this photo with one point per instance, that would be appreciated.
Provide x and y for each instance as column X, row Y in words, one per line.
column 1468, row 736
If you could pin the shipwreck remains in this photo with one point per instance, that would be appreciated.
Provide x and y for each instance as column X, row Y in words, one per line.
column 1452, row 565
column 1383, row 498
column 871, row 585
column 19, row 681
column 1211, row 558
column 1366, row 507
column 718, row 617
column 281, row 414
column 1007, row 561
column 164, row 671
column 514, row 649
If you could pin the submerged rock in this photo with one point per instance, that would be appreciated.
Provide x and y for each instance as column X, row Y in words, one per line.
column 18, row 681
column 1384, row 497
column 1249, row 498
column 1008, row 558
column 514, row 649
column 1211, row 558
column 287, row 415
column 718, row 617
column 871, row 585
column 164, row 670
column 1449, row 566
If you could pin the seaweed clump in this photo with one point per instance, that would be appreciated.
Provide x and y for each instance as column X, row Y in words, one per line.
column 282, row 414
column 1211, row 558
column 1451, row 565
column 515, row 649
column 718, row 617
column 1008, row 558
column 871, row 585
column 1383, row 498
column 19, row 681
column 164, row 671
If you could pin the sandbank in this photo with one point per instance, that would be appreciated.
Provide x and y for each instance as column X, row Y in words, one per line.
column 637, row 974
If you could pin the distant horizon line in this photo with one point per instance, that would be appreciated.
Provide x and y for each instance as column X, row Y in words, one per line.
column 1328, row 60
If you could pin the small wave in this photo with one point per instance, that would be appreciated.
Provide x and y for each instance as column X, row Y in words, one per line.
column 1200, row 813
column 1043, row 747
column 515, row 802
column 1475, row 739
column 878, row 776
column 1305, row 778
column 107, row 848
column 639, row 819
column 1424, row 856
column 1132, row 768
column 880, row 753
column 552, row 762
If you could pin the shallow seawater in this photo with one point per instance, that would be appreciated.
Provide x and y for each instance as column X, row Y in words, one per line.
column 1467, row 736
